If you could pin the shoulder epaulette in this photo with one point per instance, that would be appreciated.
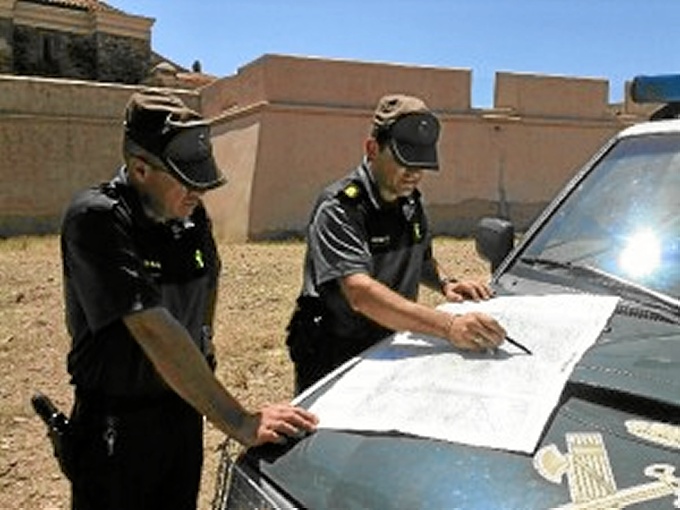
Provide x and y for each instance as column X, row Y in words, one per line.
column 351, row 191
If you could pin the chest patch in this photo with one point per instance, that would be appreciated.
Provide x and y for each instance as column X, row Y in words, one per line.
column 380, row 241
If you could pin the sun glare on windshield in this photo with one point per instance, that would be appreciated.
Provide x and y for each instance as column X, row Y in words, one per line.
column 641, row 255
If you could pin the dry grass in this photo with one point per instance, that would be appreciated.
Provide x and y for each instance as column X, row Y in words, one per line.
column 259, row 286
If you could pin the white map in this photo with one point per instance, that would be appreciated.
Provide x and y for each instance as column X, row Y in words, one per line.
column 500, row 400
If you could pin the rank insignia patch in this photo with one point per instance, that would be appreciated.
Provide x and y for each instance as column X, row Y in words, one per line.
column 352, row 191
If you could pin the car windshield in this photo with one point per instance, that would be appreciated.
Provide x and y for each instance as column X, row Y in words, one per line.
column 624, row 217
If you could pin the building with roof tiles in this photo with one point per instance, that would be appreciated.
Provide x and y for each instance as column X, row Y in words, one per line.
column 77, row 39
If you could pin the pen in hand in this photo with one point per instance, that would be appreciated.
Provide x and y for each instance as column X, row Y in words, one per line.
column 517, row 344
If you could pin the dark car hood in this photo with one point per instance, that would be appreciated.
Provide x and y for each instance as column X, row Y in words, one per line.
column 615, row 429
column 635, row 356
column 638, row 353
column 588, row 450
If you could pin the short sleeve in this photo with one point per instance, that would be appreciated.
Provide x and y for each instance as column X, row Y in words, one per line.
column 102, row 269
column 337, row 243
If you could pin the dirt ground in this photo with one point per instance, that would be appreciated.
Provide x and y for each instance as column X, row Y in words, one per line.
column 259, row 286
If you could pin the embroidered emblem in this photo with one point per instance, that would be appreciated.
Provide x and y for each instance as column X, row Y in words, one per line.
column 409, row 209
column 591, row 480
column 352, row 191
column 380, row 240
column 664, row 434
column 198, row 256
column 152, row 264
column 417, row 234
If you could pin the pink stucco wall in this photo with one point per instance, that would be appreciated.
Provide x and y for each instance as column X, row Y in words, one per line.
column 286, row 126
column 313, row 116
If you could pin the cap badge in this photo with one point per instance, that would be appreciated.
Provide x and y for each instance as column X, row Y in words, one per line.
column 203, row 148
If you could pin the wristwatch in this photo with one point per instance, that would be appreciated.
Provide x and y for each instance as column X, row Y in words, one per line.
column 446, row 280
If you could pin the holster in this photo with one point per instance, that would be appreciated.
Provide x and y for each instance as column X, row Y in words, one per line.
column 305, row 330
column 64, row 450
column 310, row 344
column 59, row 432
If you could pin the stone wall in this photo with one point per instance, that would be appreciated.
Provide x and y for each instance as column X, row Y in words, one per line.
column 6, row 51
column 121, row 59
column 50, row 53
column 73, row 41
column 95, row 57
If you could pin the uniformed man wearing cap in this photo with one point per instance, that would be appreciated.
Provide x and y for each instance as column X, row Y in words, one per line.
column 369, row 248
column 140, row 278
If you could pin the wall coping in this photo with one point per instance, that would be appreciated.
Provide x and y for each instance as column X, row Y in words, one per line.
column 81, row 22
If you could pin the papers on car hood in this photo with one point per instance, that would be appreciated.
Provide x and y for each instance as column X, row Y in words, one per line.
column 421, row 385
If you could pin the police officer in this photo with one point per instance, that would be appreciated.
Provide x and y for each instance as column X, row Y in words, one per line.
column 368, row 249
column 140, row 278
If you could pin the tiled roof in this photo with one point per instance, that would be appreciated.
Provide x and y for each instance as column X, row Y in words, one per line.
column 86, row 5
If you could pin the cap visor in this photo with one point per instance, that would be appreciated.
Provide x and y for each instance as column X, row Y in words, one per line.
column 415, row 156
column 201, row 175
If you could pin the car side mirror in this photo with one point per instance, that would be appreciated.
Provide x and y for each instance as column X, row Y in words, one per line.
column 494, row 240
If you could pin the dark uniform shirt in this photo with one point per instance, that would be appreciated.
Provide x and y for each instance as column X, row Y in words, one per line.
column 352, row 230
column 116, row 262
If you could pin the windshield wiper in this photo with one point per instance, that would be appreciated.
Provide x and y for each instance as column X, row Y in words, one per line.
column 664, row 305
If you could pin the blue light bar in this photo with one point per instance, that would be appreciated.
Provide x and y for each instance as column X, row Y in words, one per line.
column 663, row 88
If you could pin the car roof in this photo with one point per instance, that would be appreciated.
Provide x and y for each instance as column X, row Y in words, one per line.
column 652, row 128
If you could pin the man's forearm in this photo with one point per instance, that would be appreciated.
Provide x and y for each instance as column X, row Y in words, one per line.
column 381, row 304
column 183, row 368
